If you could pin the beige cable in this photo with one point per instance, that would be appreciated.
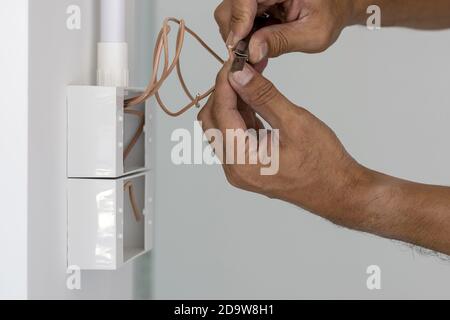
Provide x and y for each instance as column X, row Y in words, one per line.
column 136, row 211
column 162, row 48
column 140, row 130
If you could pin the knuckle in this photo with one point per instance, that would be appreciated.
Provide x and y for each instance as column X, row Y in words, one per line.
column 204, row 114
column 218, row 78
column 239, row 15
column 279, row 43
column 263, row 94
column 323, row 41
column 217, row 15
column 201, row 115
column 240, row 176
column 233, row 178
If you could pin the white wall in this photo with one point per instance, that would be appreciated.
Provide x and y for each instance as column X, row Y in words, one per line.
column 14, row 144
column 59, row 57
column 39, row 57
column 385, row 94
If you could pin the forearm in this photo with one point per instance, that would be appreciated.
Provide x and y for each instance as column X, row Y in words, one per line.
column 406, row 211
column 419, row 14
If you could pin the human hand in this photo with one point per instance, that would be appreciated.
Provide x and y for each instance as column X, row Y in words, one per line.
column 315, row 171
column 309, row 26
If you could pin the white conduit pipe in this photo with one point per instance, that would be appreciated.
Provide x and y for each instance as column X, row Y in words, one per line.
column 112, row 59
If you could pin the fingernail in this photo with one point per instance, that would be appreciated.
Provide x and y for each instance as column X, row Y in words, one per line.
column 263, row 51
column 232, row 40
column 243, row 77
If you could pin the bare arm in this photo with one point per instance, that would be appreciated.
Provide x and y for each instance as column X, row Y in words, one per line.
column 312, row 26
column 418, row 14
column 403, row 210
column 316, row 172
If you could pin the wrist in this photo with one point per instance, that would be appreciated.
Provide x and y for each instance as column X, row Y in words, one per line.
column 369, row 195
column 397, row 209
column 350, row 202
column 378, row 203
column 358, row 12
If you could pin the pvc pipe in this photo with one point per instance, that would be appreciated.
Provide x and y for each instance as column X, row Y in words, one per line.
column 112, row 55
column 113, row 21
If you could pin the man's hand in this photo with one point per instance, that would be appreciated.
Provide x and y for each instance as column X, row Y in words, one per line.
column 316, row 172
column 312, row 26
column 307, row 25
column 313, row 164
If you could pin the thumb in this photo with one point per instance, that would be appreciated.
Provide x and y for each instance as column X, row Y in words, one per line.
column 262, row 96
column 276, row 40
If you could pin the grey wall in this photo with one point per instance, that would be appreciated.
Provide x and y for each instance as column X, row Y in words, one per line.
column 386, row 95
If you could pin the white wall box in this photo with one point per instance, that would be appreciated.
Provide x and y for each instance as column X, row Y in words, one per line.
column 48, row 45
column 103, row 230
column 99, row 131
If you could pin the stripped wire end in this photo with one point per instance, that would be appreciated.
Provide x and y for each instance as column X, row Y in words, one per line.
column 241, row 51
column 197, row 101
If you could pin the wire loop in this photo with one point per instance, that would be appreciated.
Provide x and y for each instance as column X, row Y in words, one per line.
column 162, row 49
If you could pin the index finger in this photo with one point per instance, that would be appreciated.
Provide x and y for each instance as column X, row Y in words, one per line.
column 235, row 18
column 243, row 14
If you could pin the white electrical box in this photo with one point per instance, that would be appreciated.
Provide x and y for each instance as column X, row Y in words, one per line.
column 110, row 188
column 99, row 131
column 103, row 229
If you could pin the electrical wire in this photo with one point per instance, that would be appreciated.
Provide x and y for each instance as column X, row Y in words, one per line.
column 136, row 211
column 162, row 48
column 155, row 84
column 136, row 136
